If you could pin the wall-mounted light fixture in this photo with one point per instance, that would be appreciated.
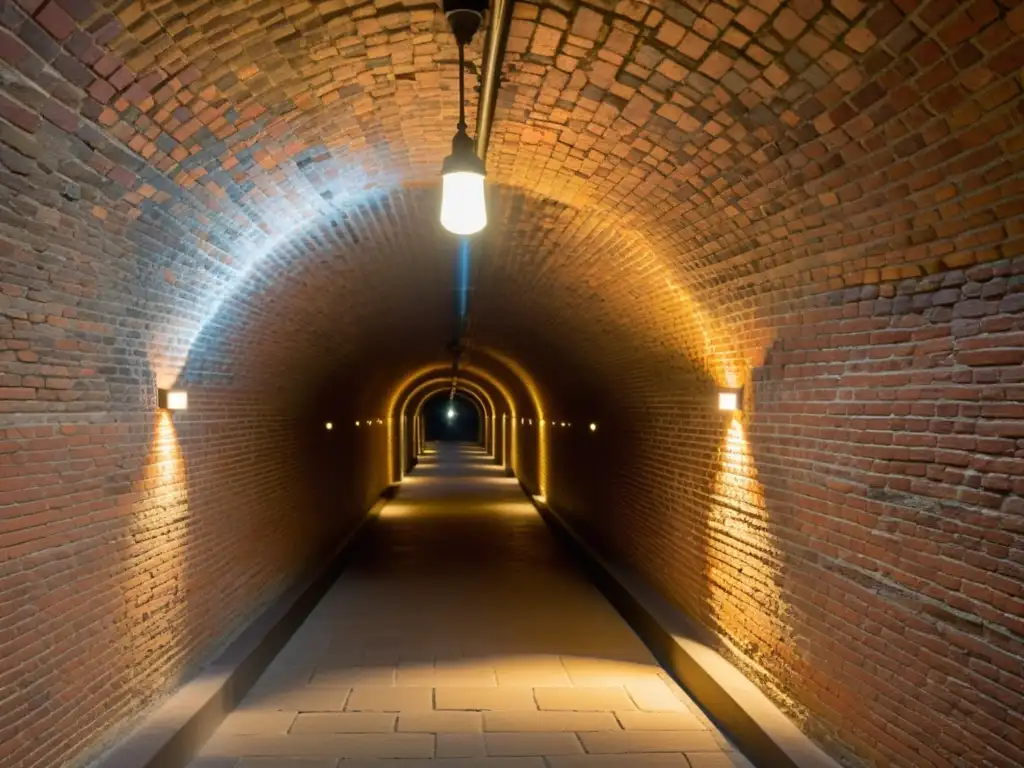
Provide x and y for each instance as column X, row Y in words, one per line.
column 172, row 399
column 329, row 426
column 730, row 400
column 463, row 207
column 357, row 423
column 593, row 427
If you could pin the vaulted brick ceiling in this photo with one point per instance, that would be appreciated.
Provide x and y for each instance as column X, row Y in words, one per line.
column 820, row 200
column 669, row 178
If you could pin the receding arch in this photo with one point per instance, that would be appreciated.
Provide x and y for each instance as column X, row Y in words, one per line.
column 478, row 393
column 402, row 422
column 523, row 377
column 411, row 378
column 440, row 385
column 542, row 435
column 424, row 398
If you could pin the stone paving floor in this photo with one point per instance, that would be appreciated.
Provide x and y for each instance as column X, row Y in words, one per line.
column 462, row 635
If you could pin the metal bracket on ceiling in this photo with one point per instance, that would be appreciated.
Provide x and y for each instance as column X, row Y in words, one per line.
column 464, row 17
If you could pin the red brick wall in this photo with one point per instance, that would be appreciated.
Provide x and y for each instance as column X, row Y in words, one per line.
column 852, row 537
column 684, row 195
column 135, row 544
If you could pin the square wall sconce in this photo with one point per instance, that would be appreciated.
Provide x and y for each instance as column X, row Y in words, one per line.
column 172, row 399
column 730, row 399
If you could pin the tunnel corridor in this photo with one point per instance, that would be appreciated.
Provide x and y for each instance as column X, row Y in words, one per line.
column 461, row 630
column 741, row 339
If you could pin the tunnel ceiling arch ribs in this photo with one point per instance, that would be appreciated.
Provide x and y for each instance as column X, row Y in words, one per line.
column 481, row 397
column 399, row 390
column 418, row 396
column 495, row 374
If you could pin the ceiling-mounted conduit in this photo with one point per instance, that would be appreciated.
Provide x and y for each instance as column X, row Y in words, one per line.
column 494, row 54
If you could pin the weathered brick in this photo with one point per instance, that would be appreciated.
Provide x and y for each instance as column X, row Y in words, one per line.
column 56, row 21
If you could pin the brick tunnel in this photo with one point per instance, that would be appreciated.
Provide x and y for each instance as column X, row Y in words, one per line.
column 742, row 342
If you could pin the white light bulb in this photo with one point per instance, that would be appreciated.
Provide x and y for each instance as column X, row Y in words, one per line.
column 593, row 427
column 329, row 426
column 463, row 209
column 451, row 413
column 728, row 401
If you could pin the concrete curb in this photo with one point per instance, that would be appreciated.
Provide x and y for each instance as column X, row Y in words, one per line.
column 760, row 729
column 172, row 735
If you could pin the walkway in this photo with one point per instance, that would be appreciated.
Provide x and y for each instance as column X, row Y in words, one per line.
column 463, row 636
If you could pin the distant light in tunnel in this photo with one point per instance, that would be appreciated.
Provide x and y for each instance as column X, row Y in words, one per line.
column 329, row 426
column 172, row 399
column 593, row 427
column 729, row 400
column 380, row 421
column 451, row 414
column 357, row 423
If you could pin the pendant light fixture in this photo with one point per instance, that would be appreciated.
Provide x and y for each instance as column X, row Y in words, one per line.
column 463, row 207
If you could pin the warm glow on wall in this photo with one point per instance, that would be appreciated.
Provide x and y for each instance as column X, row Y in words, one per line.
column 172, row 399
column 157, row 539
column 742, row 556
